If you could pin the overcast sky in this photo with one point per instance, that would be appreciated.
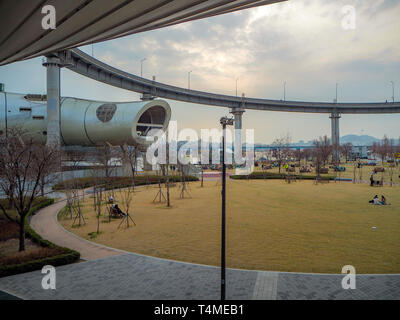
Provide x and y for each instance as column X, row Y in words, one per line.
column 302, row 42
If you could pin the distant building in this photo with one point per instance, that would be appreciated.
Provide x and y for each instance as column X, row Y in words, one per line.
column 359, row 152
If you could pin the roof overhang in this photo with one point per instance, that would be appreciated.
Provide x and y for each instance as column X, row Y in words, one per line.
column 81, row 22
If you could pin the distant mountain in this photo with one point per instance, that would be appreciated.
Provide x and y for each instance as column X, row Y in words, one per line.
column 356, row 140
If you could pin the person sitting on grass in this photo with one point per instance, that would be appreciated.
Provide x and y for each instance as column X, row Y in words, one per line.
column 110, row 199
column 116, row 209
column 375, row 200
column 383, row 200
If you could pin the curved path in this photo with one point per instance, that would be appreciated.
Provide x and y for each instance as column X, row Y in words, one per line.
column 114, row 274
column 45, row 223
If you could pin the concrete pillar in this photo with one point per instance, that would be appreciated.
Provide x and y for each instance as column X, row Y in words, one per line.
column 53, row 100
column 335, row 116
column 238, row 113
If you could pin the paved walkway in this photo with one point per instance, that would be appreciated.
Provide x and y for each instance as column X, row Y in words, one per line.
column 131, row 276
column 112, row 274
column 45, row 223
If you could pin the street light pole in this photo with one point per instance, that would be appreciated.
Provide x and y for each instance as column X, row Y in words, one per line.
column 141, row 67
column 336, row 92
column 189, row 79
column 392, row 90
column 284, row 91
column 236, row 85
column 224, row 122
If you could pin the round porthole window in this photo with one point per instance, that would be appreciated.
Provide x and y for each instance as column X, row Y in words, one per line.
column 106, row 112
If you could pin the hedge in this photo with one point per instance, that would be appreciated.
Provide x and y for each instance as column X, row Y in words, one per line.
column 272, row 175
column 69, row 256
column 119, row 182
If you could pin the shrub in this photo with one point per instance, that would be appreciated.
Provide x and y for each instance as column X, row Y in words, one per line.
column 118, row 182
column 63, row 255
column 272, row 175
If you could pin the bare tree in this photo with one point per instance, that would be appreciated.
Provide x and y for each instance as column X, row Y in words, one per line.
column 307, row 153
column 24, row 165
column 298, row 155
column 281, row 150
column 130, row 156
column 322, row 151
column 392, row 155
column 104, row 155
column 382, row 148
column 345, row 150
column 126, row 198
column 72, row 161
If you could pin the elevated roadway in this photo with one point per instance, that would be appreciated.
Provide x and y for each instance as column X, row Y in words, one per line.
column 82, row 63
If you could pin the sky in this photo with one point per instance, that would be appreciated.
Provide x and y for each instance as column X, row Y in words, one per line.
column 309, row 44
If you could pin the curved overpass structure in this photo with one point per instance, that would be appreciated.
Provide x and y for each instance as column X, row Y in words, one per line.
column 80, row 62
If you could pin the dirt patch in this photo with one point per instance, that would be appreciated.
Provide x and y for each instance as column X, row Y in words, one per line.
column 9, row 253
column 8, row 230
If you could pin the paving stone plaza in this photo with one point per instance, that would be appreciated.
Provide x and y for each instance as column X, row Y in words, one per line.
column 131, row 276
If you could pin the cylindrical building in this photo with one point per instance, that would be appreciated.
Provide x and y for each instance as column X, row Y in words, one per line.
column 86, row 122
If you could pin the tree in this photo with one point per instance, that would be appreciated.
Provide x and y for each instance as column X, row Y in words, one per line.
column 130, row 156
column 307, row 153
column 322, row 151
column 345, row 150
column 324, row 148
column 298, row 155
column 382, row 148
column 281, row 150
column 391, row 148
column 104, row 155
column 24, row 166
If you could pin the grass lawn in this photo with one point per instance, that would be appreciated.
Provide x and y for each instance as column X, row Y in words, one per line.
column 271, row 225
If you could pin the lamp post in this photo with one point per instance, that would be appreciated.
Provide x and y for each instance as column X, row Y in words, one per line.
column 392, row 82
column 236, row 85
column 336, row 92
column 224, row 122
column 141, row 67
column 189, row 79
column 284, row 91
